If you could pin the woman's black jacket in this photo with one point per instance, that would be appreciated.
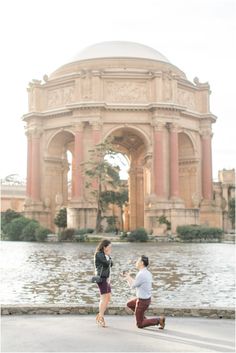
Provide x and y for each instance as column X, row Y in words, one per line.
column 102, row 265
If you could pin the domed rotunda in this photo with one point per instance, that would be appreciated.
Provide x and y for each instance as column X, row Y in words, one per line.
column 132, row 94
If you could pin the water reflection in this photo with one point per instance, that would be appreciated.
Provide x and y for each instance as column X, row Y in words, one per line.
column 184, row 274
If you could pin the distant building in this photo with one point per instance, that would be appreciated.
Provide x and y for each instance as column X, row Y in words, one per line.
column 223, row 192
column 13, row 197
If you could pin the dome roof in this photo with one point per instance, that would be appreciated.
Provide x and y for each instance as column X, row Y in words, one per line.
column 119, row 49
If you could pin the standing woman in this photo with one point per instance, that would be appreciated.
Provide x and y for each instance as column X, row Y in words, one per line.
column 103, row 263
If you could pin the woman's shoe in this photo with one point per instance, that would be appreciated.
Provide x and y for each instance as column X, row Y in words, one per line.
column 100, row 320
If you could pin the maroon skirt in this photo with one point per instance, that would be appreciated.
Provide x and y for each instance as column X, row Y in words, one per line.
column 104, row 286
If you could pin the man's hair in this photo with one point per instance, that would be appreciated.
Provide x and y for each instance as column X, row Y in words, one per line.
column 145, row 260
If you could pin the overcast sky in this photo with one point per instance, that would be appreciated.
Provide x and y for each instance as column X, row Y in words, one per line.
column 39, row 36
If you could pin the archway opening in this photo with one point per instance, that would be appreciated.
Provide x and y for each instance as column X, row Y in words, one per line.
column 118, row 211
column 58, row 170
column 187, row 170
column 130, row 143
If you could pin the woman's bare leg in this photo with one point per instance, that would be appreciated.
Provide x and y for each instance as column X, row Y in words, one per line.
column 104, row 301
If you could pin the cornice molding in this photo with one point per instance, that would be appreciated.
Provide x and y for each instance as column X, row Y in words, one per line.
column 152, row 107
column 47, row 113
column 125, row 106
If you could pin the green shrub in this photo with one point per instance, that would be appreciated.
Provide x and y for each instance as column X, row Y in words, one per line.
column 123, row 235
column 9, row 215
column 199, row 233
column 231, row 211
column 41, row 233
column 83, row 231
column 81, row 237
column 14, row 229
column 139, row 235
column 6, row 218
column 163, row 220
column 28, row 233
column 67, row 234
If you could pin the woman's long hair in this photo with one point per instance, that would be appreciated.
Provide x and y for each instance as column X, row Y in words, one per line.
column 103, row 244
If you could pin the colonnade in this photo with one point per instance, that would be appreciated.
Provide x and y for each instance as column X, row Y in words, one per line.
column 33, row 161
column 158, row 160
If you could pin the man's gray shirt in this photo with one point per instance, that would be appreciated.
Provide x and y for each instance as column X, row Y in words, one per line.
column 143, row 284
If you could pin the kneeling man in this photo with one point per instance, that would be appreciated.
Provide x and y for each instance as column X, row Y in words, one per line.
column 143, row 285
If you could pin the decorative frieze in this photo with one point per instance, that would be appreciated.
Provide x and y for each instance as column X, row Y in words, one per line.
column 186, row 98
column 126, row 91
column 60, row 96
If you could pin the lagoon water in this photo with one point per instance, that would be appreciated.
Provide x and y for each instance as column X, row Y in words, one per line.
column 189, row 275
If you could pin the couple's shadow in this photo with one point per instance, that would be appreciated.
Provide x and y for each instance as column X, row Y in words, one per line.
column 190, row 339
column 181, row 337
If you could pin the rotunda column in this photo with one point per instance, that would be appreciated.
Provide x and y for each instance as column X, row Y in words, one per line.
column 158, row 159
column 206, row 164
column 140, row 197
column 77, row 177
column 96, row 137
column 29, row 164
column 34, row 169
column 174, row 162
column 132, row 197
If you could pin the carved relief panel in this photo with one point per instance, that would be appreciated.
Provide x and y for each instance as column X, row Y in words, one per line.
column 60, row 96
column 126, row 91
column 186, row 98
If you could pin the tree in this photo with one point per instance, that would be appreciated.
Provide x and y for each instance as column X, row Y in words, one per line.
column 61, row 219
column 118, row 198
column 122, row 198
column 232, row 211
column 101, row 176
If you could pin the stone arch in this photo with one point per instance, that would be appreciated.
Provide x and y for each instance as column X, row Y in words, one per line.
column 188, row 170
column 192, row 139
column 58, row 139
column 186, row 146
column 144, row 136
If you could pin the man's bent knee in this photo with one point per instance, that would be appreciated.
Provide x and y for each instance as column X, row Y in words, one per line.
column 129, row 305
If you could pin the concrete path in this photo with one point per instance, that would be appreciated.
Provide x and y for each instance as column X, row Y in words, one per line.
column 78, row 333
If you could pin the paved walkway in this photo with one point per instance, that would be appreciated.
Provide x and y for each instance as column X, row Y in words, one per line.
column 77, row 333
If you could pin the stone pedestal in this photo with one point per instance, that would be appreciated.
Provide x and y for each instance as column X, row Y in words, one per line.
column 36, row 210
column 210, row 214
column 81, row 214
